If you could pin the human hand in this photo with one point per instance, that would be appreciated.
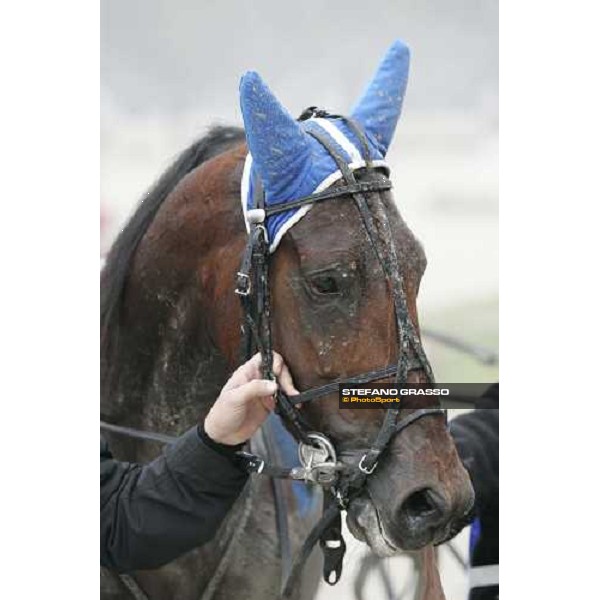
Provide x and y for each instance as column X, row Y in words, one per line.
column 245, row 401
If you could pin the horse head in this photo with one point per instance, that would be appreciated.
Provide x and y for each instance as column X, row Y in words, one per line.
column 171, row 320
column 333, row 313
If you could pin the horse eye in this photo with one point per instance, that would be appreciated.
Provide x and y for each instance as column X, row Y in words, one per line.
column 324, row 284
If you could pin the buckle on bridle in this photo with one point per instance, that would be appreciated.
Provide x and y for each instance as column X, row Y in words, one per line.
column 364, row 469
column 324, row 474
column 243, row 286
column 318, row 460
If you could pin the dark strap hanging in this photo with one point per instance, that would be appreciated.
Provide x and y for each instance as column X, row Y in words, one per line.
column 330, row 515
column 333, row 547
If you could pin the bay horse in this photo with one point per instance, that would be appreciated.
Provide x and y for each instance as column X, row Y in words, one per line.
column 170, row 337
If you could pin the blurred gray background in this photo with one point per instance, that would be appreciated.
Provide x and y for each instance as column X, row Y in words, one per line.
column 171, row 68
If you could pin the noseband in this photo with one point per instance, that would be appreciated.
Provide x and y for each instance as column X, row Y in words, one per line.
column 317, row 454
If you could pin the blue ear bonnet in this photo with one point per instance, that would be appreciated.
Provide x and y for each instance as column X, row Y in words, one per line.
column 292, row 164
column 321, row 173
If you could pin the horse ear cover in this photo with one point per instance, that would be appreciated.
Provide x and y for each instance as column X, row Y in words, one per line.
column 379, row 108
column 290, row 163
column 279, row 146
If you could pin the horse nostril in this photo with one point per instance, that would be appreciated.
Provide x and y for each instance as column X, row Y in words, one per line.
column 423, row 504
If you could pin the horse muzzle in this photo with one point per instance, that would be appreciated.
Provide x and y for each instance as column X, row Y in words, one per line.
column 421, row 517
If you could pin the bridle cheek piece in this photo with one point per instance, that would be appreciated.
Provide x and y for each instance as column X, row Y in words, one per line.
column 319, row 463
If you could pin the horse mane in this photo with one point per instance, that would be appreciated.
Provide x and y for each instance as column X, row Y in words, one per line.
column 113, row 279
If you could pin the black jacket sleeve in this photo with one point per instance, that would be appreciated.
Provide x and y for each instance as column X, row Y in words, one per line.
column 476, row 436
column 150, row 514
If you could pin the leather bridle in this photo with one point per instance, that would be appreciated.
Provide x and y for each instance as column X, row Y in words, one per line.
column 317, row 453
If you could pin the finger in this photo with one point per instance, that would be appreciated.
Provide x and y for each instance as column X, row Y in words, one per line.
column 246, row 372
column 277, row 363
column 280, row 369
column 268, row 402
column 286, row 382
column 256, row 360
column 252, row 367
column 255, row 390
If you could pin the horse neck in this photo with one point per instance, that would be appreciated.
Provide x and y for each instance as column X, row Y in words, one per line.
column 177, row 335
